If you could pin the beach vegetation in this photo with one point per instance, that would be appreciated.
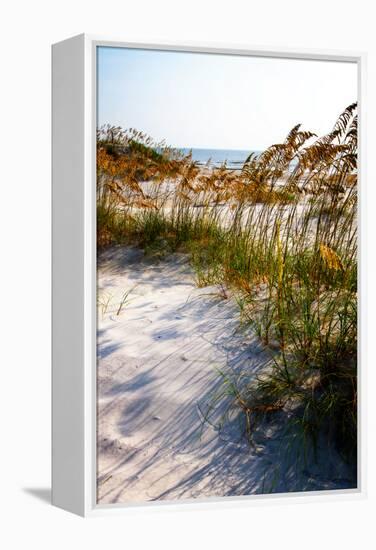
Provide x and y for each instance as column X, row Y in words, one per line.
column 280, row 236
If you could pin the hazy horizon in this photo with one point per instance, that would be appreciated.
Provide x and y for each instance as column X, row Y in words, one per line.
column 214, row 101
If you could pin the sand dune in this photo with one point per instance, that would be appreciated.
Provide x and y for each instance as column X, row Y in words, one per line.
column 158, row 361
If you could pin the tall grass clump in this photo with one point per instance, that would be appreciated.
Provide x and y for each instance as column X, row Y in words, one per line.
column 282, row 234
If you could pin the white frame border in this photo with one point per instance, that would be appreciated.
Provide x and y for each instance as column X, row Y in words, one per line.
column 88, row 471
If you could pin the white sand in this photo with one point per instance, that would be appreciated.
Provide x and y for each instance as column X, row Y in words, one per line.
column 157, row 364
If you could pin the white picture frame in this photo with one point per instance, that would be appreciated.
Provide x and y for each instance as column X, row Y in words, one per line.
column 74, row 273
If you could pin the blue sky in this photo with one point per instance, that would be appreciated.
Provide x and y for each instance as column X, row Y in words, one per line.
column 219, row 101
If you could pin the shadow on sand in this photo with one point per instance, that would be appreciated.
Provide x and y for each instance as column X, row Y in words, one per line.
column 153, row 442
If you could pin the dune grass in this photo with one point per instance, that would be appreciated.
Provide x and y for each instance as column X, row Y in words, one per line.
column 281, row 235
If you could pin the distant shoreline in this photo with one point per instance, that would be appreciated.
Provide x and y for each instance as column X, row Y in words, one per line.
column 234, row 158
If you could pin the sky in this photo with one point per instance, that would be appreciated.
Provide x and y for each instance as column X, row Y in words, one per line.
column 219, row 101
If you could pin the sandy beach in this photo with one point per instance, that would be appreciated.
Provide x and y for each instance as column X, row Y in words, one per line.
column 158, row 363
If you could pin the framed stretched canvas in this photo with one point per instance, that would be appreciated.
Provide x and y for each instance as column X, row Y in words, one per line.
column 206, row 273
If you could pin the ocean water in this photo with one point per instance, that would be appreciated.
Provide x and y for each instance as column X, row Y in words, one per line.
column 234, row 158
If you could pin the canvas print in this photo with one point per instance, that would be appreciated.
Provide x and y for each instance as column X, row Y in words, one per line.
column 226, row 275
